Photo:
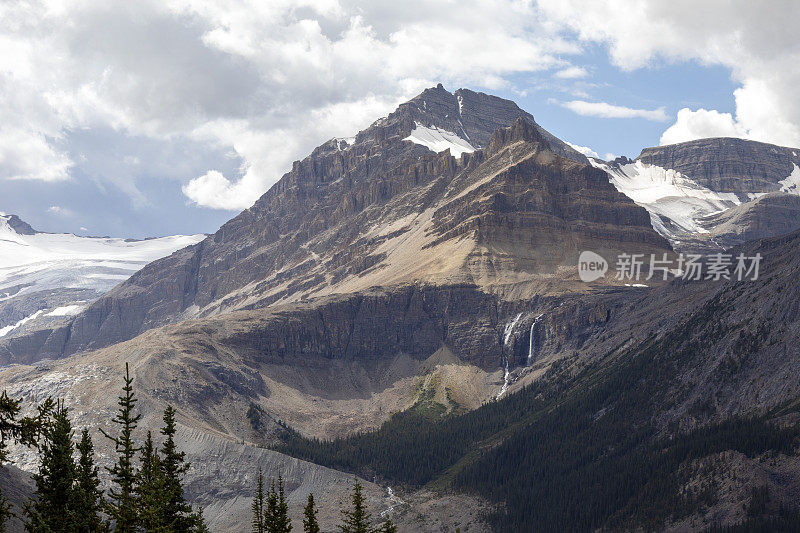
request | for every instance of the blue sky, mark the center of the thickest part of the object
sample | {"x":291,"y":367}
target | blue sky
{"x":162,"y":117}
{"x":668,"y":85}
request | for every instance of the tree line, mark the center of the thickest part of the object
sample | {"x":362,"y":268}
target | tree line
{"x":271,"y":512}
{"x":67,"y":497}
{"x":146,"y":491}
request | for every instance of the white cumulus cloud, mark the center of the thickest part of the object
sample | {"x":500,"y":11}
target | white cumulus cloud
{"x":267,"y":81}
{"x":585,"y":150}
{"x":700,"y":124}
{"x":571,"y":73}
{"x":755,"y":40}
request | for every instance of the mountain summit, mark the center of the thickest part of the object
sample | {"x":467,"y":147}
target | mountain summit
{"x":388,"y":207}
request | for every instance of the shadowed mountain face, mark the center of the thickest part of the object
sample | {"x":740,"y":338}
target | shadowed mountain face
{"x":384,"y":209}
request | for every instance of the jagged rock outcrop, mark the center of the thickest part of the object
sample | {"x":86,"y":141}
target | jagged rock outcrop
{"x":18,"y":225}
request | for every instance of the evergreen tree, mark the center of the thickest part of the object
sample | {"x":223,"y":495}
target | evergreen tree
{"x":150,"y":484}
{"x":271,"y":510}
{"x":122,"y":503}
{"x":178,"y":512}
{"x":281,"y":523}
{"x":310,"y":524}
{"x":51,"y":509}
{"x":25,"y":431}
{"x":387,"y":527}
{"x":356,"y":519}
{"x":199,"y":522}
{"x":258,"y":505}
{"x":88,"y":496}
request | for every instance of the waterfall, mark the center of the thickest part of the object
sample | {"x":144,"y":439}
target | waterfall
{"x":506,"y":375}
{"x":510,"y":329}
{"x":394,"y":502}
{"x":507,"y":337}
{"x":530,"y":340}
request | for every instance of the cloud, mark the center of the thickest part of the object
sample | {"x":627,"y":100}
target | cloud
{"x":571,"y":73}
{"x":588,"y":152}
{"x":267,"y":81}
{"x":606,"y":110}
{"x":256,"y":85}
{"x":752,"y":39}
{"x":60,"y":211}
{"x":214,"y":190}
{"x":700,"y":124}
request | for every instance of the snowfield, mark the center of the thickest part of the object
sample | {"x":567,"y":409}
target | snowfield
{"x":667,"y":194}
{"x":439,"y":140}
{"x":58,"y":260}
{"x":31,"y":265}
{"x":792,"y":182}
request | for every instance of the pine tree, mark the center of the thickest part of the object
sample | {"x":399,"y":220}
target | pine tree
{"x":150,"y":484}
{"x":88,"y":496}
{"x":25,"y":431}
{"x":121,"y":505}
{"x":356,"y":520}
{"x":51,"y":509}
{"x":282,"y":523}
{"x":258,"y":505}
{"x":310,"y":524}
{"x":199,"y":522}
{"x":271,"y":510}
{"x":178,"y":513}
{"x":387,"y":527}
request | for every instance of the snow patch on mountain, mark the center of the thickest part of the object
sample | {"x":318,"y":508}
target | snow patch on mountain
{"x":674,"y":201}
{"x":66,"y":310}
{"x":8,"y":329}
{"x":792,"y":182}
{"x":439,"y":140}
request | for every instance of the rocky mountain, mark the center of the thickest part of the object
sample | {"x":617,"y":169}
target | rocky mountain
{"x":389,"y":207}
{"x":47,"y":277}
{"x":411,"y":293}
{"x":727,"y":165}
{"x":691,"y":188}
{"x":679,"y":407}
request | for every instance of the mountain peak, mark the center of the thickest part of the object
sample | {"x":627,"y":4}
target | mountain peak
{"x":521,"y":130}
{"x":473,"y":116}
{"x":17,"y":225}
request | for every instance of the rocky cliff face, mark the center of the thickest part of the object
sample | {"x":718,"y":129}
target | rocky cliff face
{"x":703,"y":195}
{"x":769,"y":215}
{"x":383,"y":209}
{"x":726,"y":164}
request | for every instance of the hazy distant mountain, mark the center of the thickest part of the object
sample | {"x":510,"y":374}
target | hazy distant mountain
{"x":45,"y":277}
